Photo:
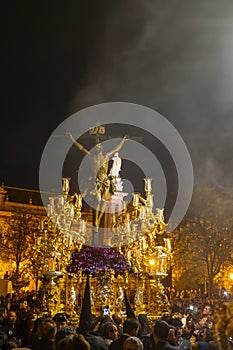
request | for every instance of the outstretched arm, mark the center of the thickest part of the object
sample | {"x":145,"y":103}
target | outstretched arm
{"x":77,"y":144}
{"x":118,"y":147}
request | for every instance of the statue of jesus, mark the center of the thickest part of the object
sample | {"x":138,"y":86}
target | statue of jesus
{"x":104,"y":187}
{"x":116,"y":166}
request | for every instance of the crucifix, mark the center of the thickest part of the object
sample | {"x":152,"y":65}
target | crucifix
{"x":104,"y":186}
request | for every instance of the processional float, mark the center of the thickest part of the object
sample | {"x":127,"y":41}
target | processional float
{"x":121,"y":246}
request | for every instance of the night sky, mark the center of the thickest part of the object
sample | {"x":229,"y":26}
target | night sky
{"x":175,"y":57}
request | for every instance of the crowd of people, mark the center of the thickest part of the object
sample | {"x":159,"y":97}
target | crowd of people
{"x":192,"y":322}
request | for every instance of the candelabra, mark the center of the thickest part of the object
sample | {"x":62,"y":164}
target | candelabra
{"x":138,"y":219}
{"x":59,"y":234}
{"x":139,"y":233}
{"x":62,"y":231}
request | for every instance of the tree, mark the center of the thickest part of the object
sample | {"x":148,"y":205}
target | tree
{"x":17,"y":239}
{"x":203,"y":243}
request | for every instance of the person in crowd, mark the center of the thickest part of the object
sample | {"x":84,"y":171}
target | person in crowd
{"x":131,"y":327}
{"x":184,"y":340}
{"x":109,"y":332}
{"x":172,"y":339}
{"x":206,"y":315}
{"x":24,"y":321}
{"x":103,"y":320}
{"x":65,"y":343}
{"x":62,"y":333}
{"x":46,"y":336}
{"x":117,"y":319}
{"x":36,"y":323}
{"x":61,"y":319}
{"x":207,"y":311}
{"x":160,"y":332}
{"x":206,"y":337}
{"x":80,"y":343}
{"x":8,"y":325}
{"x":73,"y":342}
{"x":96,"y":341}
{"x":133,"y":343}
{"x":8,"y":328}
{"x":184,"y":344}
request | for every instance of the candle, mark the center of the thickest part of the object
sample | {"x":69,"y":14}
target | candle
{"x":148,"y":187}
{"x":135,"y":199}
{"x":150,"y":202}
{"x":65,"y":185}
{"x":41,"y":225}
{"x":168,"y":244}
{"x":79,"y":201}
{"x":82,"y":226}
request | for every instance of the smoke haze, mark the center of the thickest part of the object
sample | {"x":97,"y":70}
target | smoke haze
{"x":173,"y":56}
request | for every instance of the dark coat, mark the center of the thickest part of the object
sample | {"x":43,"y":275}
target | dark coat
{"x":144,"y":326}
{"x":118,"y":344}
{"x":41,"y":344}
{"x":148,"y":342}
{"x":96,"y":342}
{"x":164,"y":346}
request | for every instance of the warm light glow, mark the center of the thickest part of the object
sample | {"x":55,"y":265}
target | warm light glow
{"x":152,"y":262}
{"x":231,"y":276}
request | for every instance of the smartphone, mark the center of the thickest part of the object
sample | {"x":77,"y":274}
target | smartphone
{"x":106,"y":310}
